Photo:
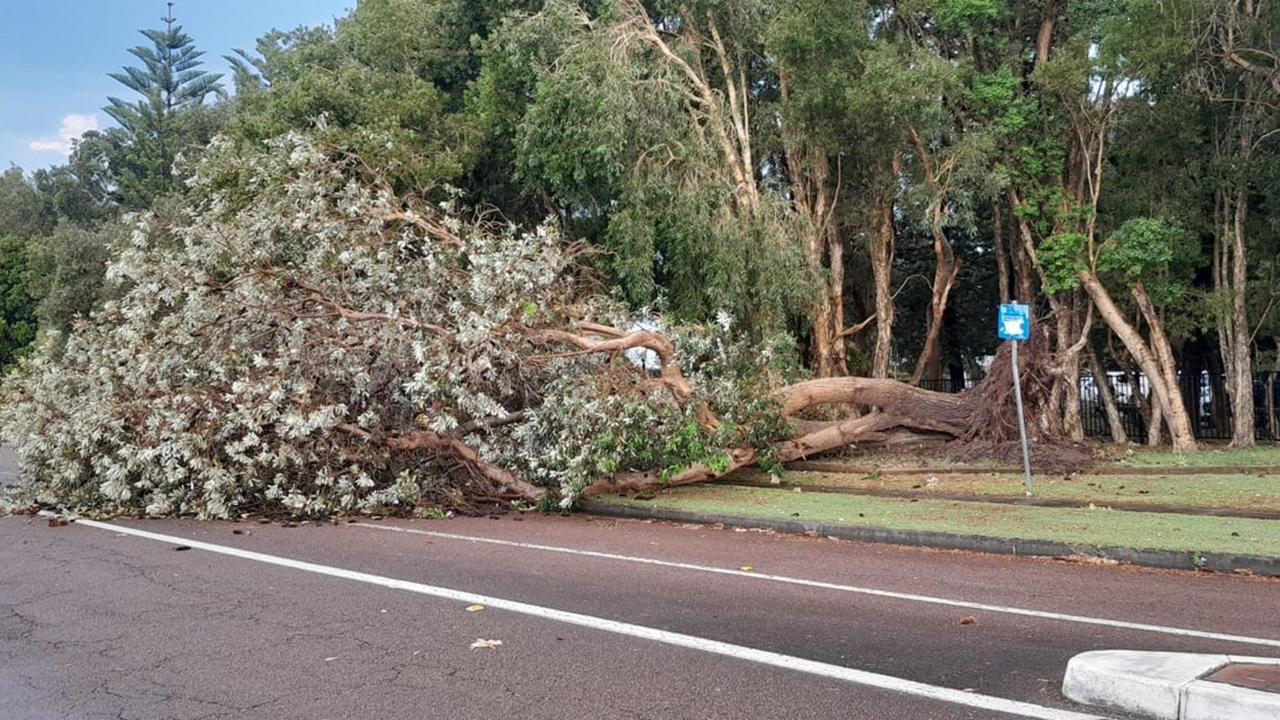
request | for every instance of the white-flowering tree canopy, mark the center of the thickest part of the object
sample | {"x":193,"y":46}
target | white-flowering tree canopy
{"x":298,"y":312}
{"x":304,"y":338}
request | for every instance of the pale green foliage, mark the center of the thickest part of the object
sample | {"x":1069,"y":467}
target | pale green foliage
{"x":266,"y":344}
{"x":613,"y":421}
{"x":215,"y":382}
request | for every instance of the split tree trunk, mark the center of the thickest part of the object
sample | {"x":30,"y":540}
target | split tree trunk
{"x":1156,"y":363}
{"x":881,"y":250}
{"x":1231,"y":276}
{"x":945,"y":268}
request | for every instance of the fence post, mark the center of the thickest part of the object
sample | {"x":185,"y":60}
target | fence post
{"x":1271,"y":406}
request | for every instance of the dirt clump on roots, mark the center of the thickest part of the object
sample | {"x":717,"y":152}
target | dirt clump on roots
{"x":1051,"y":457}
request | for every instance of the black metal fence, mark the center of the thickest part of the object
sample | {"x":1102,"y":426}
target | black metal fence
{"x":1205,"y":396}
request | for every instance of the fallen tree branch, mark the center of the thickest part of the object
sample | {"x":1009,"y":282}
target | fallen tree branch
{"x":432,"y":441}
{"x":859,"y":327}
{"x":670,"y":373}
{"x":923,"y":409}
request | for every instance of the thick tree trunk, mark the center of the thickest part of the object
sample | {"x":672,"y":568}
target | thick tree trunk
{"x":1163,"y":382}
{"x":835,"y":257}
{"x":827,"y":345}
{"x":985,"y":412}
{"x":1044,"y":37}
{"x":1176,"y":415}
{"x":945,"y":266}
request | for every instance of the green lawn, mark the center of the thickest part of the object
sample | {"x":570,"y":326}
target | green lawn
{"x":1208,"y":456}
{"x":1079,"y":526}
{"x":1240,"y":491}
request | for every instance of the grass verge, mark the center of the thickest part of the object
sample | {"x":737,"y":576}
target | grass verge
{"x":1076,"y":526}
{"x":1208,"y":456}
{"x":1251,"y":493}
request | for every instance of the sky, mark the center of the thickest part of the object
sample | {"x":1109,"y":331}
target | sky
{"x":55,"y":56}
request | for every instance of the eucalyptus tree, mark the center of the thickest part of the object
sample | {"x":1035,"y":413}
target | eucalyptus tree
{"x":653,"y":128}
{"x":1203,"y":65}
{"x":1237,"y":69}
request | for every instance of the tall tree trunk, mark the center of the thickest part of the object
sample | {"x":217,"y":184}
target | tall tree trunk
{"x":1240,"y":366}
{"x":1001,"y":253}
{"x":1072,"y":324}
{"x":837,"y":362}
{"x":1103,"y":383}
{"x":810,"y":174}
{"x":944,"y":277}
{"x":945,"y":268}
{"x":1163,"y":381}
{"x":882,"y":241}
{"x":1044,"y":37}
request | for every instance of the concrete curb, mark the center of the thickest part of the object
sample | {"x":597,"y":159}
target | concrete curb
{"x":843,"y":468}
{"x":1168,"y":559}
{"x":1166,"y":685}
{"x":1021,"y":500}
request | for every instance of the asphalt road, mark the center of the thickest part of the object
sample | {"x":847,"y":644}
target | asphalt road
{"x":96,"y":623}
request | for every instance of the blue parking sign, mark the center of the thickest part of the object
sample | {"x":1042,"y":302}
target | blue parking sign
{"x":1014,"y":322}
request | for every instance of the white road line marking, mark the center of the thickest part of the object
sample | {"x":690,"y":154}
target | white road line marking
{"x":763,"y":657}
{"x":1042,"y":614}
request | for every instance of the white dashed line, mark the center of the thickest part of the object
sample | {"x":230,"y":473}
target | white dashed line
{"x":1041,"y":614}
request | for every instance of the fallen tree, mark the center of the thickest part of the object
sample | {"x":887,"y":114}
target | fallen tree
{"x":305,"y":339}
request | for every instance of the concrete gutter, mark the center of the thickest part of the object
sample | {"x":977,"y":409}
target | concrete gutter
{"x":1169,"y":559}
{"x":1167,"y":685}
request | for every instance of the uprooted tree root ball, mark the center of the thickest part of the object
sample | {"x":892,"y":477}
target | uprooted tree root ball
{"x":308,"y":340}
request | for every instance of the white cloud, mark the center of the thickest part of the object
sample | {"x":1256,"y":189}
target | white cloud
{"x":73,"y":126}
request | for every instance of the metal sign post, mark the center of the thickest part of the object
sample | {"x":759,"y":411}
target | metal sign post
{"x":1014,"y":325}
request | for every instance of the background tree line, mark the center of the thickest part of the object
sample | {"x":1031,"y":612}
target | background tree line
{"x":867,"y":177}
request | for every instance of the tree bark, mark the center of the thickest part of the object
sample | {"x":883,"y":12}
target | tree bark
{"x":1167,"y":395}
{"x":1072,"y":333}
{"x":1044,"y":37}
{"x":944,"y":276}
{"x":837,"y":362}
{"x":1154,"y":426}
{"x":1103,"y":383}
{"x":945,"y":268}
{"x":1240,"y":364}
{"x":810,"y":173}
{"x":1002,"y":257}
{"x":881,"y":250}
